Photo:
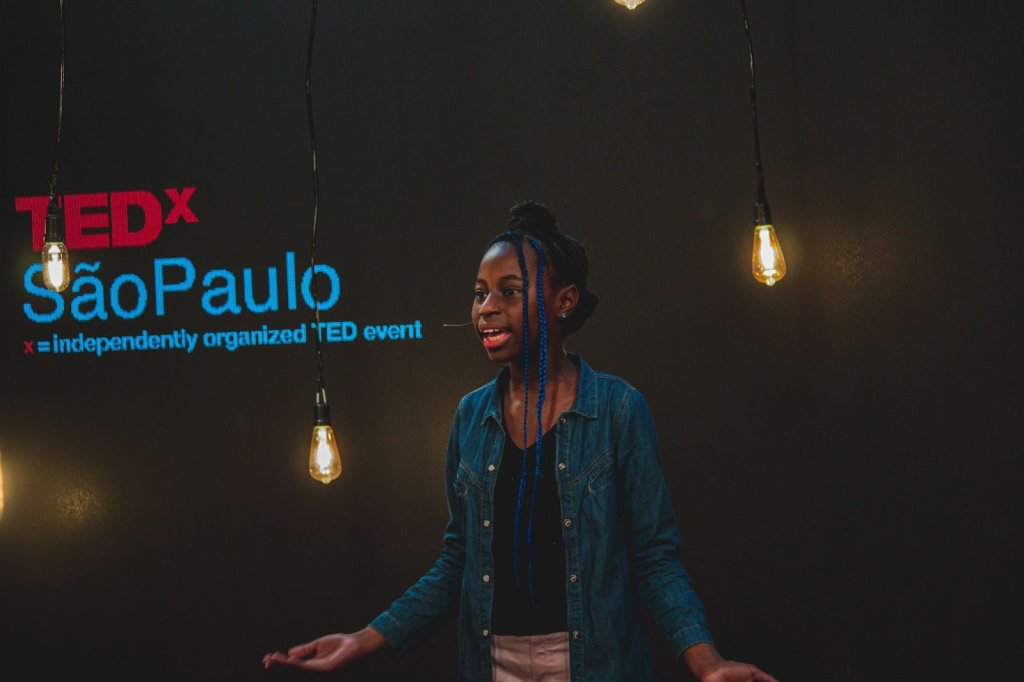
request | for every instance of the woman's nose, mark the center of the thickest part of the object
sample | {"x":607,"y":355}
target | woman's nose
{"x":489,"y":305}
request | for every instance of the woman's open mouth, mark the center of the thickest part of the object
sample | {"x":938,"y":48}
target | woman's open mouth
{"x":494,"y":337}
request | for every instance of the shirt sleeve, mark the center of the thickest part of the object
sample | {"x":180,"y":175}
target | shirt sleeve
{"x":653,"y":534}
{"x":433,"y":601}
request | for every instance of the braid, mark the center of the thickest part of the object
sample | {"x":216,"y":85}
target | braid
{"x":567,"y":259}
{"x":542,"y":386}
{"x":543,"y":373}
{"x":526,"y":399}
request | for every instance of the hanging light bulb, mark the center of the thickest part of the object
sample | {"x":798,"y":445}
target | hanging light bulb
{"x":56,"y":263}
{"x":767,"y":262}
{"x":324,"y":459}
{"x":630,"y":4}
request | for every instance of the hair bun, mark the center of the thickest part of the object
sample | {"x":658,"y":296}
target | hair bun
{"x":532,"y":216}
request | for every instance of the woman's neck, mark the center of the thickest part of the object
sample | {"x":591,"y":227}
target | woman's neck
{"x":560,"y":370}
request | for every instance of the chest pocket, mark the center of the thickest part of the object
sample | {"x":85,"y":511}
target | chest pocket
{"x":599,"y":474}
{"x":465,"y":480}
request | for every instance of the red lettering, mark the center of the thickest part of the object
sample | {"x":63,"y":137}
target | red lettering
{"x":76,"y":221}
{"x":119,"y":203}
{"x":37,"y":207}
{"x":180,"y":209}
{"x":82,"y":227}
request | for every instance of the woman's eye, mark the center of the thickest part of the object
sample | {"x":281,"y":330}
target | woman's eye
{"x":511,"y":292}
{"x":479,"y":295}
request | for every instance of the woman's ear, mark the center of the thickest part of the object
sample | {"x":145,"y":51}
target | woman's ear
{"x":568,"y":298}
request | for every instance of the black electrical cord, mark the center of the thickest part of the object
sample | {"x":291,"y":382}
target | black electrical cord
{"x":60,"y":111}
{"x":321,"y":384}
{"x":753,"y":108}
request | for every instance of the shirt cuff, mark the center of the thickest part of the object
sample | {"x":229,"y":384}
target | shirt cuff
{"x":683,"y":639}
{"x":393,"y":631}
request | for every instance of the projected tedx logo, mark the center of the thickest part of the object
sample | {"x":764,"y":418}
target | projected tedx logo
{"x":101,"y":229}
{"x":128,"y":295}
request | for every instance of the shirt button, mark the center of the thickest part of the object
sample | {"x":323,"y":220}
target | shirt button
{"x":572,"y":577}
{"x":562,"y":420}
{"x":490,"y":468}
{"x":486,"y":523}
{"x":487,"y":578}
{"x":568,"y":522}
{"x":561,"y":466}
{"x":486,"y":632}
{"x":575,"y":634}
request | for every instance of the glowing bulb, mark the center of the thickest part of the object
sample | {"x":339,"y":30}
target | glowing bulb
{"x":56,"y":264}
{"x":630,"y":4}
{"x":767,"y":262}
{"x":1,"y":489}
{"x":324,"y":459}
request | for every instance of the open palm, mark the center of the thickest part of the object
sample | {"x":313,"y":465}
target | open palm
{"x":323,"y":654}
{"x":732,"y":671}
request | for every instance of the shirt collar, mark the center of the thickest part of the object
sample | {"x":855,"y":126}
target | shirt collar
{"x":585,"y":404}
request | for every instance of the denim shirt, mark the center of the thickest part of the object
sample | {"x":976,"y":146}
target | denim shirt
{"x":621,"y":539}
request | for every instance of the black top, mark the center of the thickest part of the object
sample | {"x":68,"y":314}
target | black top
{"x":514,"y":612}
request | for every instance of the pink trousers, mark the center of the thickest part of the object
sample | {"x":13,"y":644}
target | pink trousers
{"x":535,"y":658}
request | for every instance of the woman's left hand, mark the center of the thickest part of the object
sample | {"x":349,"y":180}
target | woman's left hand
{"x":733,"y":671}
{"x":707,"y":665}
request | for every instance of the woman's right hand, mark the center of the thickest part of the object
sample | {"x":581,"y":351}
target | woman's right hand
{"x":329,"y":652}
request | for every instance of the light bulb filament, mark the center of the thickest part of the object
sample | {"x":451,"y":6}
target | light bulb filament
{"x":56,"y":266}
{"x":767,"y":264}
{"x":324,"y":458}
{"x":767,"y":253}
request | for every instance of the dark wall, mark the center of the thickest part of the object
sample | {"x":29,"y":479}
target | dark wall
{"x":843,"y":448}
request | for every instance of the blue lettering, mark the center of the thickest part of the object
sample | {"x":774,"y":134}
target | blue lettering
{"x":271,"y":302}
{"x":307,"y":281}
{"x":115,"y":298}
{"x":93,"y":299}
{"x":228,"y":291}
{"x":35,"y":290}
{"x":96,"y":298}
{"x":289,"y":271}
{"x":159,"y":287}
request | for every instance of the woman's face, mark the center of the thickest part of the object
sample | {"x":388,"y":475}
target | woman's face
{"x":498,"y":302}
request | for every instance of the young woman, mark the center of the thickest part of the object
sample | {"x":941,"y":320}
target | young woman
{"x":560,"y":523}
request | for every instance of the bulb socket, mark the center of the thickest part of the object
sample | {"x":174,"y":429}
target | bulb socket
{"x":54,"y":223}
{"x":321,"y":414}
{"x":762,"y":214}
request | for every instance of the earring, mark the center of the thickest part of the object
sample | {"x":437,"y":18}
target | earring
{"x":565,"y":316}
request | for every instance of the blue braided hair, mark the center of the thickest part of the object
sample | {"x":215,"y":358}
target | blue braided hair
{"x":542,"y":384}
{"x":526,"y":403}
{"x":533,"y":222}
